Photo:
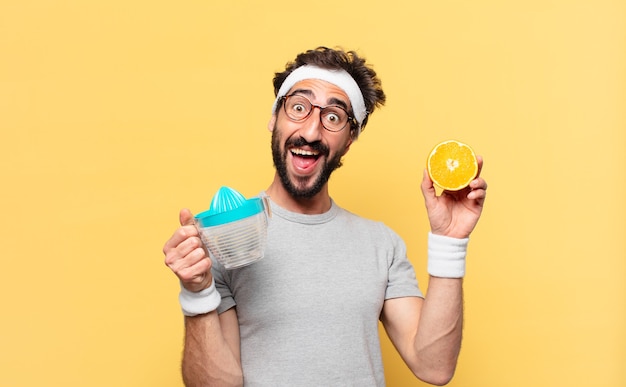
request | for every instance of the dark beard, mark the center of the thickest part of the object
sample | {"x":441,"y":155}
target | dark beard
{"x":299,"y":188}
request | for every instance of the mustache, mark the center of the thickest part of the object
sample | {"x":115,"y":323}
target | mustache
{"x":301,"y":142}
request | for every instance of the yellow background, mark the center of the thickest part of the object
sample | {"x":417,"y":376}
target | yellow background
{"x":115,"y":114}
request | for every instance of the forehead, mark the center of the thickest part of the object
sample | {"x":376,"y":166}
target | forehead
{"x":321,"y":92}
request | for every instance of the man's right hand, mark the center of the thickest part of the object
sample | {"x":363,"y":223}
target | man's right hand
{"x":186,"y":256}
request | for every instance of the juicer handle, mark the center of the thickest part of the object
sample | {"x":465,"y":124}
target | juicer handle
{"x":266,"y":205}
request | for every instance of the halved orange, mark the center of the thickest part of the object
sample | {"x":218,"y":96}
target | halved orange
{"x":452,"y":165}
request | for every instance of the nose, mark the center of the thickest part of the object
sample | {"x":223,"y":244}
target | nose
{"x":311,"y":129}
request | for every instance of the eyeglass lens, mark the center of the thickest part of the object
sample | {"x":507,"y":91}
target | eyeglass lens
{"x":298,"y":108}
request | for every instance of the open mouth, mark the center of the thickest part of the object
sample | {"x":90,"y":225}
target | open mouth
{"x":304,"y":158}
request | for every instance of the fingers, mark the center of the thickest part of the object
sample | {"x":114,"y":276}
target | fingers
{"x":183,"y":250}
{"x":479,"y":189}
{"x":182,"y":234}
{"x":194,"y":276}
{"x":478,"y":185}
{"x":181,"y":245}
{"x":188,"y":260}
{"x":186,"y":256}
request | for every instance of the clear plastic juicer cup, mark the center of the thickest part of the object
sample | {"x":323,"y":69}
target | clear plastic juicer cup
{"x":233,"y":229}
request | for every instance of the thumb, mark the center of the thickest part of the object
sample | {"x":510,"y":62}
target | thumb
{"x":186,"y":217}
{"x":428,"y":189}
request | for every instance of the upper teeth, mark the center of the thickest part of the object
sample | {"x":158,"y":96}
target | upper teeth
{"x":303,"y":152}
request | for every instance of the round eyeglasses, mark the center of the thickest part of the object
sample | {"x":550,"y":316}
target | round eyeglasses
{"x":333,"y":118}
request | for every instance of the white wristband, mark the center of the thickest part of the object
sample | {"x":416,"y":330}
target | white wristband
{"x":446,"y":256}
{"x":195,"y":303}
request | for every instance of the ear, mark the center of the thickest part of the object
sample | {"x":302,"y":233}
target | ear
{"x":347,"y":148}
{"x":270,"y":125}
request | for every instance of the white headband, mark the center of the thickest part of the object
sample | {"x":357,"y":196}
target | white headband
{"x":339,"y":78}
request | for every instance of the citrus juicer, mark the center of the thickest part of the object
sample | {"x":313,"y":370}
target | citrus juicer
{"x":233,"y":229}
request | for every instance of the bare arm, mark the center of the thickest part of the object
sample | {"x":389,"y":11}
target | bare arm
{"x":427,"y":332}
{"x":212,"y":354}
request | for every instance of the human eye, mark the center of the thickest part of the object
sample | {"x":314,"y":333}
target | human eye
{"x":298,"y":107}
{"x":334,"y":116}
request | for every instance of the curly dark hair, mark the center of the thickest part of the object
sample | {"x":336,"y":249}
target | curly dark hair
{"x":349,"y":61}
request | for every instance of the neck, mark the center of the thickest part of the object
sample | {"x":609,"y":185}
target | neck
{"x":317,"y":204}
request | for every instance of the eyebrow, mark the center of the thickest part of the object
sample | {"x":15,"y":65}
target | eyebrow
{"x":331,"y":101}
